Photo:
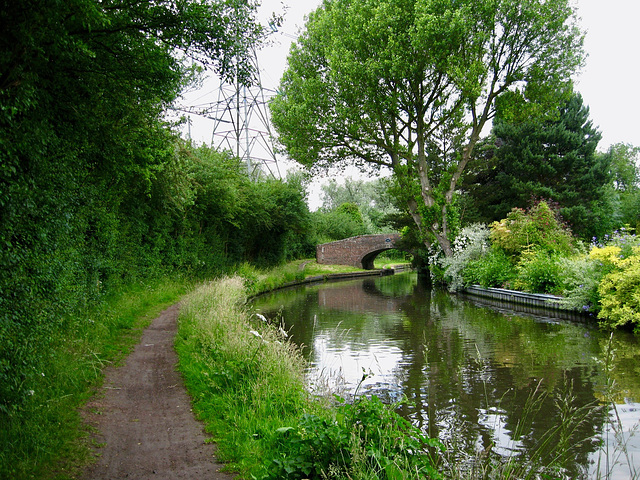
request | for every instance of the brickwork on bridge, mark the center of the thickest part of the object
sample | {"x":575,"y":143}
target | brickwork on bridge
{"x":357,"y":251}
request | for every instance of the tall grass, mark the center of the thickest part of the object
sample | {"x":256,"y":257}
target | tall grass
{"x":614,"y":455}
{"x":246,"y":380}
{"x":44,"y":439}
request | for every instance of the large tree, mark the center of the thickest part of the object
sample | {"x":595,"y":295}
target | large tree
{"x":410,"y":85}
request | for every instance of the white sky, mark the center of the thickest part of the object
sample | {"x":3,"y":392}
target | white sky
{"x":608,"y":83}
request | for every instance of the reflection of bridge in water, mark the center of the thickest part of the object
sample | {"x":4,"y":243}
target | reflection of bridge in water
{"x":359,"y":297}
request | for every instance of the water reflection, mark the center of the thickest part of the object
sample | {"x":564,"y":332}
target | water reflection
{"x":479,"y":379}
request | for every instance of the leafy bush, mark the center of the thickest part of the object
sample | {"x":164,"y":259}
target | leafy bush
{"x":342,"y":222}
{"x":538,"y":227}
{"x":495,"y":269}
{"x":581,"y":276}
{"x":365,"y":439}
{"x":539,"y":272}
{"x":619,"y":289}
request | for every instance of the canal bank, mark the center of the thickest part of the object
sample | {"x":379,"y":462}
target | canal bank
{"x":248,"y":384}
{"x":538,"y":304}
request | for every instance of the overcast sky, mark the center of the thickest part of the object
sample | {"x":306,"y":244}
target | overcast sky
{"x":608,"y":83}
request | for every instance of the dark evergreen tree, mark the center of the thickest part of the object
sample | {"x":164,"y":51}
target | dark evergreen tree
{"x":553,"y":159}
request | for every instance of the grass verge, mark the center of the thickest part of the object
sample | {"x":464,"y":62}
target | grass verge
{"x":248,"y":386}
{"x":47,"y":439}
{"x":245,"y":379}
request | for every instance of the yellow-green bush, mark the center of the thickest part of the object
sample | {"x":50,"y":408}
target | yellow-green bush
{"x":620,"y":288}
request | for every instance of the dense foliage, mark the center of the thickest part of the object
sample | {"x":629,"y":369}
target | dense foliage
{"x":200,"y":215}
{"x":618,"y":266}
{"x":97,"y":193}
{"x":532,"y":251}
{"x":372,"y":197}
{"x":521,"y":251}
{"x":539,"y":228}
{"x":366,"y":439}
{"x":344,"y":221}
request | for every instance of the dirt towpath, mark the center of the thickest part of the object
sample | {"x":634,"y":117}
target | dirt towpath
{"x":143,"y":416}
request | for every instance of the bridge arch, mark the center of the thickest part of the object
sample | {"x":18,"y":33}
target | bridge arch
{"x":359,"y":252}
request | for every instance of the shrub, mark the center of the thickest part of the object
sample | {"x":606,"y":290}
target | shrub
{"x":619,"y":288}
{"x":342,"y":222}
{"x":539,"y":272}
{"x":495,"y":269}
{"x":581,"y":276}
{"x":469,"y":245}
{"x":364,"y":439}
{"x":538,"y":227}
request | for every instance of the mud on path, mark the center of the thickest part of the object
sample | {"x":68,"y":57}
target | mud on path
{"x":143,"y":416}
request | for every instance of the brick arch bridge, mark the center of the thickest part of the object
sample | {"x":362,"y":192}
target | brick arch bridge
{"x":359,"y":252}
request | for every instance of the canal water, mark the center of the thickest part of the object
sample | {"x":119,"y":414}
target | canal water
{"x":489,"y":382}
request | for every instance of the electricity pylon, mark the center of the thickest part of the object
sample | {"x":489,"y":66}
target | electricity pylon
{"x":241,"y":123}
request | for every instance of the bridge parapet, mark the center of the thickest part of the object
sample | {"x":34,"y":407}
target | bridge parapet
{"x":357,"y":251}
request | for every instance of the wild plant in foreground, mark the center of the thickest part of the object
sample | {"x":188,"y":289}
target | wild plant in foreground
{"x":614,"y":455}
{"x":362,"y":439}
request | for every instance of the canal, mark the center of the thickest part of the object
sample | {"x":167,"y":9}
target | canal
{"x":490,"y":383}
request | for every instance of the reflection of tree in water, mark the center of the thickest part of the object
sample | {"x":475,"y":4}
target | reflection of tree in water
{"x":472,"y":373}
{"x":466,"y":371}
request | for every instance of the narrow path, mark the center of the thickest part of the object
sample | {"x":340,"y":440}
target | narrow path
{"x":143,"y":416}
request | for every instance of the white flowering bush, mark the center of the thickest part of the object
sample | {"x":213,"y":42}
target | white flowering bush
{"x":471,"y":244}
